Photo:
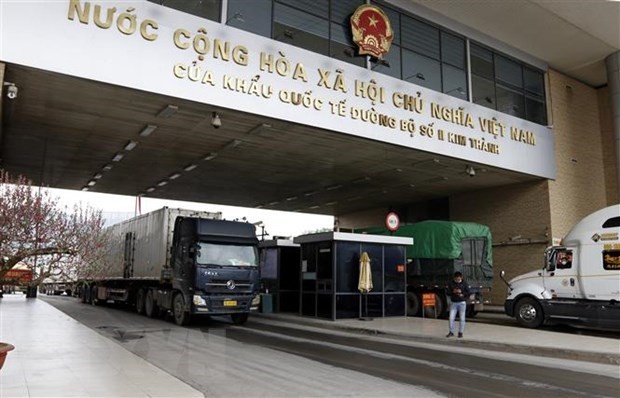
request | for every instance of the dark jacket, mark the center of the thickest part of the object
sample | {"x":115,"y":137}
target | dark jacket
{"x":454,"y":293}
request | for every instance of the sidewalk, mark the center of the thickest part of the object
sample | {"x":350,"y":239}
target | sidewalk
{"x":56,"y":356}
{"x":477,"y":335}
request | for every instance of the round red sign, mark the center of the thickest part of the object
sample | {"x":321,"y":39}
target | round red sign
{"x":391,"y":221}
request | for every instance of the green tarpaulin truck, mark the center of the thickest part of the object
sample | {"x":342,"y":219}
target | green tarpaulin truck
{"x":439,"y":249}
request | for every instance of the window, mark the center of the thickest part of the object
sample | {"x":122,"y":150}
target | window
{"x":504,"y":84}
{"x":209,"y":9}
{"x":252,"y":16}
{"x":613,"y":222}
{"x":564,"y":259}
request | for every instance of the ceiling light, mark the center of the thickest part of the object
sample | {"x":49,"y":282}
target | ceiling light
{"x":148,"y":130}
{"x":310,"y":193}
{"x":98,"y":176}
{"x":291,"y":198}
{"x":131,"y":145}
{"x":11,"y":91}
{"x":174,"y":176}
{"x":274,"y":203}
{"x":232,"y":144}
{"x":107,"y":167}
{"x":168,"y":111}
{"x":360,"y":180}
{"x":210,"y":156}
{"x":190,"y":167}
{"x":258,"y":128}
{"x":85,"y":189}
{"x":259,"y":206}
{"x":118,"y":157}
{"x":150,"y":189}
{"x":332,"y":187}
{"x":162,"y":183}
{"x":470,"y":171}
{"x":330,"y":203}
{"x":216,"y":120}
{"x":314,"y":207}
{"x":91,"y":183}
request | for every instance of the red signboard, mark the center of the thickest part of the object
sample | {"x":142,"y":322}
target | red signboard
{"x":18,"y":275}
{"x":428,"y":299}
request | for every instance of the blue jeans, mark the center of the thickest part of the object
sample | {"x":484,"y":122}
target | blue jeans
{"x":460,"y":307}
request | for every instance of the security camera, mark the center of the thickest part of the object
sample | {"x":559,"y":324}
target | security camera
{"x":470,"y":171}
{"x":216,"y":121}
{"x":11,"y":91}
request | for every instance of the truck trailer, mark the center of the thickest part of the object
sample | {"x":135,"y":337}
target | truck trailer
{"x":579,"y":282}
{"x":179,"y":262}
{"x":439,"y":249}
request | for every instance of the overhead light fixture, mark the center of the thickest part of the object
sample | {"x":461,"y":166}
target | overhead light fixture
{"x":216,"y":120}
{"x":470,"y":171}
{"x":274,"y":203}
{"x":168,"y":111}
{"x":131,"y":145}
{"x":174,"y":176}
{"x":118,"y":157}
{"x":150,"y":189}
{"x":256,"y":129}
{"x":333,"y":187}
{"x":107,"y":167}
{"x":310,"y":193}
{"x":360,"y":180}
{"x":291,"y":198}
{"x":162,"y":183}
{"x":259,"y":206}
{"x":232,"y":144}
{"x":11,"y":91}
{"x":98,"y":176}
{"x":210,"y":156}
{"x":85,"y":189}
{"x":314,"y":207}
{"x":148,"y":130}
{"x":190,"y":167}
{"x":91,"y":183}
{"x":330,"y":203}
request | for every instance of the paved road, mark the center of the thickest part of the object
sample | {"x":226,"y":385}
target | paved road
{"x":263,"y":358}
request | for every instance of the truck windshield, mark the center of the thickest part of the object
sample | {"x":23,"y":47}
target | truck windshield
{"x":227,"y":255}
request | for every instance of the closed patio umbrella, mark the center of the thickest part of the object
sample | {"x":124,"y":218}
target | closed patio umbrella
{"x":365,"y":281}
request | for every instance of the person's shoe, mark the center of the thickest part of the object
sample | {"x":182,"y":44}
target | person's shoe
{"x":460,"y":334}
{"x":450,"y":334}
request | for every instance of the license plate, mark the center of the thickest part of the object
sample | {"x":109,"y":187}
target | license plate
{"x":230,"y":303}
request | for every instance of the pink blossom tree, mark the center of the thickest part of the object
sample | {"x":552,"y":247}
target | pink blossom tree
{"x":53,"y":242}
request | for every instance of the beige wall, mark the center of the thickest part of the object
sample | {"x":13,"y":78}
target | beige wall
{"x":611,"y":163}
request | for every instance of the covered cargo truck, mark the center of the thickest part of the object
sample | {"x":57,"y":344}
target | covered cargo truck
{"x":439,"y":249}
{"x":182,"y":262}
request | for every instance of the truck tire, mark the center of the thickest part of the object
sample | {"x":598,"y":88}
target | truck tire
{"x":471,"y":312}
{"x":150,"y":308}
{"x":413,"y":304}
{"x":181,"y":317}
{"x":93,"y":296}
{"x":239,"y":319}
{"x":140,"y":301}
{"x":528,"y":313}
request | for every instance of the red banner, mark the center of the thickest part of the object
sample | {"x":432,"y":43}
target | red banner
{"x":19,"y":275}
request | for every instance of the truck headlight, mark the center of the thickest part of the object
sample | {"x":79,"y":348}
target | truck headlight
{"x":256,"y":300}
{"x":198,"y":300}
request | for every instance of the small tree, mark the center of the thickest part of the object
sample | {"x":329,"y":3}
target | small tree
{"x":34,"y":230}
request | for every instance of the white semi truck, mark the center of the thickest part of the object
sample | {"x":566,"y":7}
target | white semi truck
{"x":579,"y":283}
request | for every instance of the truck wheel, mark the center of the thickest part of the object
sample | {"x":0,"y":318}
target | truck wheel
{"x":471,"y":312}
{"x":150,"y":308}
{"x":413,"y":304}
{"x":93,"y":296}
{"x":140,"y":301}
{"x":239,"y":319}
{"x":181,"y":317}
{"x":439,"y":309}
{"x":529,"y":313}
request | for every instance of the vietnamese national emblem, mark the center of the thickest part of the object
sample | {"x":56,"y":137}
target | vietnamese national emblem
{"x":372,"y":31}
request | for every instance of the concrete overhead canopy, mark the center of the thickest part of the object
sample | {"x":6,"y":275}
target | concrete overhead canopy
{"x":112,"y":112}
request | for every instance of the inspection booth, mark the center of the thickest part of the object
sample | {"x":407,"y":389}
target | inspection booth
{"x":280,"y":274}
{"x":330,"y":270}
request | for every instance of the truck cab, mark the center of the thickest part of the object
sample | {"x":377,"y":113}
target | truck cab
{"x":579,"y":282}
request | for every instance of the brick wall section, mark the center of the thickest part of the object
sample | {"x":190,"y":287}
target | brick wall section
{"x":518,"y":216}
{"x":579,"y":188}
{"x":611,"y":163}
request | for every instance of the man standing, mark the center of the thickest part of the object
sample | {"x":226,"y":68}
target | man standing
{"x":458,"y":290}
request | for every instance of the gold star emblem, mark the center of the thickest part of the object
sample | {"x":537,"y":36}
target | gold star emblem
{"x":372,"y":21}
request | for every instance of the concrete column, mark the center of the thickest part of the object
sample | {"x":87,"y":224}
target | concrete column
{"x":613,"y":82}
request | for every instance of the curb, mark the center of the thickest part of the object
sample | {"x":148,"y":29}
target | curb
{"x":552,"y":352}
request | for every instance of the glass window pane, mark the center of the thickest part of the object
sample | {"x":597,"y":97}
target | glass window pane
{"x":300,"y":29}
{"x":347,"y":259}
{"x":483,"y":92}
{"x":535,"y":111}
{"x":454,"y":82}
{"x":508,"y":71}
{"x":510,"y":101}
{"x":420,"y":37}
{"x":394,"y":17}
{"x":453,"y":50}
{"x":342,"y":46}
{"x":315,"y":7}
{"x":209,"y":9}
{"x":534,"y":82}
{"x":269,"y":264}
{"x":421,"y":70}
{"x":341,"y":10}
{"x":392,"y":68}
{"x":394,"y":268}
{"x":481,"y":62}
{"x":251,"y":16}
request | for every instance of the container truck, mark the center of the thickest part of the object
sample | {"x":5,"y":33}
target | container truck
{"x":180,"y":262}
{"x":579,"y":283}
{"x":439,"y":249}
